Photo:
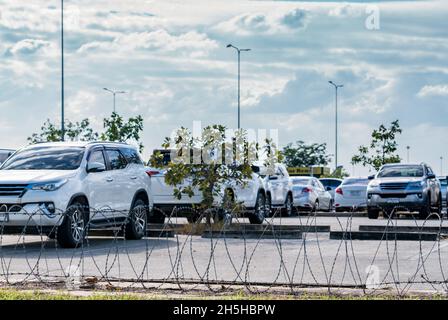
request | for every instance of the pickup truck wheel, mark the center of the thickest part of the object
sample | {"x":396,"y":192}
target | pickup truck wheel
{"x":257,"y":217}
{"x":72,"y":231}
{"x":439,"y":205}
{"x":373,"y":213}
{"x":135,"y":227}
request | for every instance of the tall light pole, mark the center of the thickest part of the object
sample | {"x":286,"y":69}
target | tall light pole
{"x":336,"y":87}
{"x":114,"y":93}
{"x":441,"y":165}
{"x":407,"y":148}
{"x":239,"y":79}
{"x":62,"y":73}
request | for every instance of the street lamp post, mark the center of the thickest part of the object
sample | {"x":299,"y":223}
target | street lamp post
{"x":62,"y":73}
{"x":114,"y":93}
{"x":239,"y":78}
{"x":336,"y":87}
{"x":441,"y":165}
{"x":407,"y":149}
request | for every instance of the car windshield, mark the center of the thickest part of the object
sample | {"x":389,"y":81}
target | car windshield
{"x":300,"y":181}
{"x":360,"y":181}
{"x":4,"y":156}
{"x":443,"y":182}
{"x":46,"y":158}
{"x":401,"y":171}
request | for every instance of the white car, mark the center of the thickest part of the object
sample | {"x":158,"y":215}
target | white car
{"x":310,"y":194}
{"x":164,"y":198}
{"x":351,"y":194}
{"x":330,"y":184}
{"x":63,"y":188}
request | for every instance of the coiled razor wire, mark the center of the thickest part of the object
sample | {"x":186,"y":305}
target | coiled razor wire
{"x":179,"y":254}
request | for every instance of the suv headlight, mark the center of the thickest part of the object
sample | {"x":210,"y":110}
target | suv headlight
{"x":49,"y":186}
{"x":373,"y":185}
{"x":416,"y":185}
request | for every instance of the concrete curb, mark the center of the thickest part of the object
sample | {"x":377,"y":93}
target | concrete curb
{"x":386,"y":236}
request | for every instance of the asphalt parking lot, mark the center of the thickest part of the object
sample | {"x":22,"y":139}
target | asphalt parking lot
{"x":313,"y":260}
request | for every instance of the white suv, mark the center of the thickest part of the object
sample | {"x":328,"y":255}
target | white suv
{"x":262,"y":193}
{"x":63,"y":188}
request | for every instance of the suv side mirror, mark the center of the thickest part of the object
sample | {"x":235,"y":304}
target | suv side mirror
{"x":371,"y":177}
{"x":431,"y":176}
{"x":95,"y":167}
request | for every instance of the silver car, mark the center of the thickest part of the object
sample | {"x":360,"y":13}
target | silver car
{"x":412,"y":187}
{"x":310,"y":195}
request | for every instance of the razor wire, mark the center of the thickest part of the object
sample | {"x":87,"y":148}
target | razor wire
{"x":219,"y":251}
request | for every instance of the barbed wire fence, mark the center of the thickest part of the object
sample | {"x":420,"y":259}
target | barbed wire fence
{"x":287,"y":254}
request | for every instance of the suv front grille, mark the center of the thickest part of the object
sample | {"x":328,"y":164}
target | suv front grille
{"x":12,"y":190}
{"x":393,"y":186}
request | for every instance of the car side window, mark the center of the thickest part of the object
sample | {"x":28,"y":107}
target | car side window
{"x":131,"y":156}
{"x":117,"y":160}
{"x":429,"y":170}
{"x":97,"y":156}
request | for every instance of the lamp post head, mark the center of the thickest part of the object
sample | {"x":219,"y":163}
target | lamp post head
{"x":229,"y":46}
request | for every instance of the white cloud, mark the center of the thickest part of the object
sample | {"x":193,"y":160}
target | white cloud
{"x":265,"y":23}
{"x":32,"y":46}
{"x":431,"y":91}
{"x":346,"y":10}
{"x":191,"y":43}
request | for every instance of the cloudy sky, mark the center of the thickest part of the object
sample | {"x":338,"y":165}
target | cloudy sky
{"x":171,"y":58}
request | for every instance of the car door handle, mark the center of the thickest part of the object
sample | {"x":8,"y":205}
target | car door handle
{"x":134,"y":177}
{"x":109,"y":179}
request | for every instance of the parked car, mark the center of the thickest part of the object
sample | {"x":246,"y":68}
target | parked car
{"x":252,"y":196}
{"x":443,"y":185}
{"x":278,"y":189}
{"x":351,"y":194}
{"x":331,"y":184}
{"x":310,"y":194}
{"x":62,"y":188}
{"x":413,"y":187}
{"x":164,"y":199}
{"x":4,"y":154}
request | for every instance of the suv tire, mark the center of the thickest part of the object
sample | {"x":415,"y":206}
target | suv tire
{"x":289,"y":206}
{"x":135,"y":227}
{"x":257,"y":217}
{"x":425,"y":211}
{"x":373,"y":213}
{"x":73,"y":230}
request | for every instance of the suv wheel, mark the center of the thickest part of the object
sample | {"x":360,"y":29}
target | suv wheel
{"x":425,"y":211}
{"x":268,"y":206}
{"x":373,"y":213}
{"x":72,"y":231}
{"x":289,"y":206}
{"x":135,"y":227}
{"x":257,"y":217}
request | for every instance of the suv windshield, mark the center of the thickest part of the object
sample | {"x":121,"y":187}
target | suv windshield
{"x":46,"y":158}
{"x":401,"y":171}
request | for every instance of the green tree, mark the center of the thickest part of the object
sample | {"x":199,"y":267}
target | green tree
{"x":305,"y":155}
{"x":210,"y":161}
{"x":382,"y":149}
{"x":116,"y":129}
{"x":75,"y":131}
